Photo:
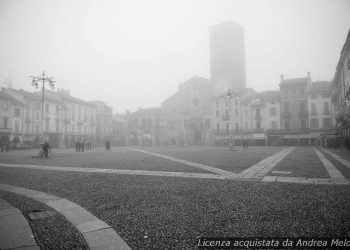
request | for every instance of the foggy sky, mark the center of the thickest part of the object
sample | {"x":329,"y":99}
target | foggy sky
{"x":134,"y":54}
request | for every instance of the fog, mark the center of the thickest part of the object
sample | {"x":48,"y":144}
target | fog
{"x":134,"y":54}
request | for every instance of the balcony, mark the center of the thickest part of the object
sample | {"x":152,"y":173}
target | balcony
{"x":286,"y":115}
{"x":303,"y":114}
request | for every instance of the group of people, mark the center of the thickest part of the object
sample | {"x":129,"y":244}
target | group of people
{"x":245,"y":143}
{"x":81,"y":145}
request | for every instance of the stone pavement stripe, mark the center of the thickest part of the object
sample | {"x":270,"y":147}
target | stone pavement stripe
{"x":122,"y":171}
{"x":105,"y":239}
{"x":346,"y":163}
{"x":9,"y":211}
{"x":15,"y":231}
{"x":28,"y":248}
{"x":189,"y":163}
{"x":261,"y":168}
{"x":269,"y":178}
{"x":248,"y":177}
{"x":93,"y":229}
{"x":92,"y":226}
{"x":332,"y":171}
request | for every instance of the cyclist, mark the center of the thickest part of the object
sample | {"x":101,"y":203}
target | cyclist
{"x":46,"y":147}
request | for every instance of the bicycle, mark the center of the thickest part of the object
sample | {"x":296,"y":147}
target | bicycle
{"x":50,"y":154}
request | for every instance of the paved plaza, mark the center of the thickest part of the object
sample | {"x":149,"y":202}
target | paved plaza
{"x":157,"y":197}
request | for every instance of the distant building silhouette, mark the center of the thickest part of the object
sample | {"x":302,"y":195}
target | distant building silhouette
{"x":227,"y":57}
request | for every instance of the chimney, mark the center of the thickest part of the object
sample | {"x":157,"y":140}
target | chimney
{"x":282,"y":77}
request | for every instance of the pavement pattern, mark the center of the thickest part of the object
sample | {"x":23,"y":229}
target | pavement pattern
{"x":15,"y":231}
{"x":98,"y":234}
{"x":257,"y":172}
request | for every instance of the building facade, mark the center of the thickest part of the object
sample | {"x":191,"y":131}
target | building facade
{"x":321,"y":113}
{"x":11,"y":119}
{"x":146,"y":127}
{"x":341,"y":93}
{"x":187,"y":110}
{"x":247,"y":115}
{"x":65,"y":120}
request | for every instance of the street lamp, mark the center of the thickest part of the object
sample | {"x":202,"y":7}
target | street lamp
{"x":42,"y":79}
{"x":184,"y":127}
{"x":230,"y":94}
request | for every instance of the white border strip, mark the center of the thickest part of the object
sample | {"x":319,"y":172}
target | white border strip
{"x":98,"y":234}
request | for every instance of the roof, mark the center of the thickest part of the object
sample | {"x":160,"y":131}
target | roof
{"x":27,"y":94}
{"x":195,"y":79}
{"x":319,"y":87}
{"x":49,"y":95}
{"x":70,"y":98}
{"x":231,"y":23}
{"x":301,"y":80}
{"x":146,"y":112}
{"x":5,"y":96}
{"x":268,"y":95}
{"x":346,"y":47}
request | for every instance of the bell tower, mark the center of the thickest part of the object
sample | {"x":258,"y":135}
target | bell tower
{"x":227,"y":57}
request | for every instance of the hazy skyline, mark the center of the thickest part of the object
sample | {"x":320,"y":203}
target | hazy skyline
{"x":134,"y":54}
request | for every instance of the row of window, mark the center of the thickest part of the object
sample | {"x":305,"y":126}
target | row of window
{"x":226,"y":104}
{"x":302,"y":107}
{"x":144,"y":123}
{"x":257,"y":112}
{"x":294,"y":92}
{"x":273,"y":125}
{"x":314,"y":124}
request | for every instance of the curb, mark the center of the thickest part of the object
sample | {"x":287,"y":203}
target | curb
{"x":98,"y":234}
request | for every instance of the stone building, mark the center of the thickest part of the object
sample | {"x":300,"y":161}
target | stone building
{"x":78,"y":119}
{"x":294,"y":111}
{"x":187,"y":110}
{"x":321,"y":112}
{"x":103,"y":121}
{"x":11,"y":118}
{"x":118,"y":130}
{"x":247,"y":115}
{"x":66,"y":119}
{"x":146,"y":127}
{"x":341,"y":92}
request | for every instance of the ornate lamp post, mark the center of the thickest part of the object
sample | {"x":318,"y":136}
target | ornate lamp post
{"x":230,"y":94}
{"x":42,"y":79}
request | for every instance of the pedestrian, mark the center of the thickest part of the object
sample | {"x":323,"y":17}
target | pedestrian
{"x":76,"y":146}
{"x":82,"y":145}
{"x":46,"y":147}
{"x":108,"y":145}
